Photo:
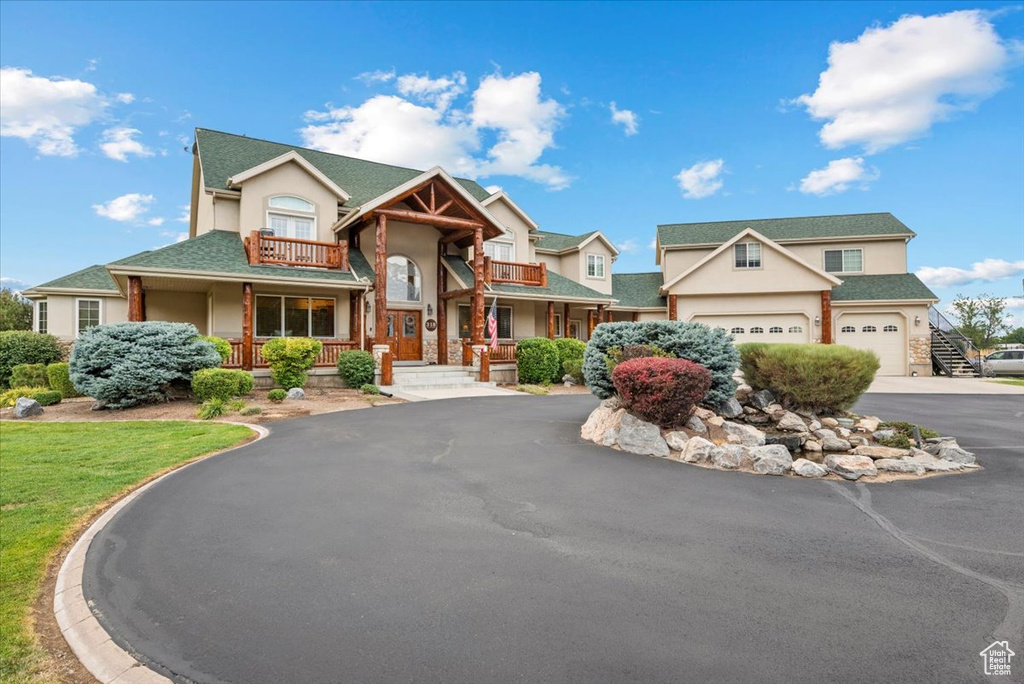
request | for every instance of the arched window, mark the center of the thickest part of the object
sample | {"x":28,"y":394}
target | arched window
{"x":795,"y":329}
{"x":775,"y":329}
{"x":848,"y":329}
{"x":737,"y":331}
{"x":890,"y":328}
{"x":756,"y":330}
{"x":403,"y":280}
{"x":501,"y":248}
{"x":869,"y":328}
{"x":291,"y":217}
{"x":289,"y":203}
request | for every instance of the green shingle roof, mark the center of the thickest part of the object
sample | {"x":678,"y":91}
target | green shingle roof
{"x":556,"y":242}
{"x":94,"y":277}
{"x":796,"y":228}
{"x":558,"y":286}
{"x":638,"y":290}
{"x":872,"y":287}
{"x":224,"y":155}
{"x":222,"y":252}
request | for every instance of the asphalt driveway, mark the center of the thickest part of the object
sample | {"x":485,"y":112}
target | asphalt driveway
{"x":480,"y":540}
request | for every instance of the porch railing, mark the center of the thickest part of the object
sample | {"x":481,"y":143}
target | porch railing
{"x":505,"y":353}
{"x":327,"y":358}
{"x":517,"y":273}
{"x":282,"y":251}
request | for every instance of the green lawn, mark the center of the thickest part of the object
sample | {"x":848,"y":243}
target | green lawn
{"x":52,"y":476}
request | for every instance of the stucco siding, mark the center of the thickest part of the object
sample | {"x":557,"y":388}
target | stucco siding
{"x":602,"y":285}
{"x":778,"y":273}
{"x":62,"y":313}
{"x":287,"y":179}
{"x":516,"y":226}
{"x":880,"y":256}
{"x":178,"y":307}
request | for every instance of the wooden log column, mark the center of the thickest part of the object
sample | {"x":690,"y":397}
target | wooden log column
{"x":380,"y":283}
{"x":590,"y":324}
{"x":247,"y":311}
{"x":600,"y":314}
{"x":673,"y":308}
{"x":485,"y":364}
{"x":826,"y":316}
{"x":551,"y":320}
{"x":478,"y":286}
{"x":442,"y":306}
{"x":136,"y":310}
{"x":565,"y":320}
{"x":355,"y":318}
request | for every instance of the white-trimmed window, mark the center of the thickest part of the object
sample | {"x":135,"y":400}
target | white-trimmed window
{"x":504,"y":322}
{"x":41,"y":312}
{"x":890,"y":328}
{"x":844,"y":260}
{"x":796,"y":329}
{"x":848,"y":329}
{"x":775,"y":329}
{"x":576,"y":328}
{"x":595,"y":266}
{"x":757,"y":330}
{"x":282,"y":316}
{"x":501,"y":249}
{"x":404,"y":281}
{"x":737,"y":331}
{"x":291,"y":217}
{"x":747,"y":255}
{"x":869,"y":328}
{"x":88,"y":313}
{"x":558,"y":325}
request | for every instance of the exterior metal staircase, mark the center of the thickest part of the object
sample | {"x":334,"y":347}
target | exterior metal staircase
{"x":953,"y":354}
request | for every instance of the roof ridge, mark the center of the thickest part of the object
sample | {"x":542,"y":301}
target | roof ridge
{"x":637,"y":273}
{"x":780,"y":218}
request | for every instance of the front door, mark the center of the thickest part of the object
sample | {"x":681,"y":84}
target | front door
{"x":405,"y":334}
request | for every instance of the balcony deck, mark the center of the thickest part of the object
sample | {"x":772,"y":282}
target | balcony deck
{"x":264,"y":249}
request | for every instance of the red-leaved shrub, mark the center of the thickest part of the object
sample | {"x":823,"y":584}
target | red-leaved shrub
{"x":659,"y":390}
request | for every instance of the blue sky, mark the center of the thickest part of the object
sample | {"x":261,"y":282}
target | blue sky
{"x":721,"y":111}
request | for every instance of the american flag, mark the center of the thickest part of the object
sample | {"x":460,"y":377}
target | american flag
{"x":492,"y":323}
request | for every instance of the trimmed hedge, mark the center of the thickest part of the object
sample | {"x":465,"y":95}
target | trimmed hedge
{"x":289,"y":359}
{"x":45,"y":397}
{"x":59,"y":375}
{"x":711,"y":348}
{"x":356,"y":367}
{"x":277,"y":395}
{"x":537,"y":360}
{"x":819,"y":377}
{"x":222,"y":346}
{"x":220,"y":383}
{"x":661,"y":390}
{"x":24,"y":346}
{"x":568,"y":349}
{"x":125,"y":364}
{"x":29,"y":375}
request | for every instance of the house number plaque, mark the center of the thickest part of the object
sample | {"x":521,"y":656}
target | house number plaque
{"x":431,"y":325}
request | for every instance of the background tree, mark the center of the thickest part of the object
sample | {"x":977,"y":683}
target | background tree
{"x":982,"y":319}
{"x":15,"y":311}
{"x":1015,"y":336}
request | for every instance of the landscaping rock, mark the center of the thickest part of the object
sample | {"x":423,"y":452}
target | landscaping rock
{"x":296,"y":393}
{"x":601,"y":420}
{"x":696,"y":424}
{"x":640,"y":437}
{"x":791,"y":442}
{"x":822,"y":433}
{"x":761,"y":399}
{"x":805,"y":468}
{"x":730,"y":408}
{"x":899,"y":465}
{"x":730,"y":456}
{"x":844,"y":433}
{"x":612,"y":403}
{"x":568,"y":380}
{"x":835,"y":444}
{"x":773,"y":459}
{"x":743,"y":391}
{"x":829,"y":422}
{"x":676,"y":440}
{"x":850,"y":466}
{"x":881,"y":452}
{"x":791,"y":422}
{"x":953,"y":452}
{"x":748,"y":436}
{"x":716,"y":421}
{"x":931,"y":463}
{"x":807,"y":413}
{"x":857,"y":440}
{"x":759,"y":419}
{"x":883,"y":434}
{"x":26,"y":408}
{"x":773,"y":408}
{"x":100,"y":405}
{"x":814,"y":425}
{"x":698,"y":450}
{"x":869,"y":423}
{"x":845,"y":422}
{"x":813,"y":446}
{"x":703,"y":413}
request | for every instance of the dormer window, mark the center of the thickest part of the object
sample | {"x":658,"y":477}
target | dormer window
{"x":595,"y":266}
{"x":844,"y":260}
{"x":291,"y":217}
{"x":747,"y":255}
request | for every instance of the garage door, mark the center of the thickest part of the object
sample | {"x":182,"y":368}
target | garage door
{"x":761,"y":327}
{"x":883,"y":333}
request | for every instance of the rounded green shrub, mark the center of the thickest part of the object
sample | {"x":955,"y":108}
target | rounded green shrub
{"x":711,"y":348}
{"x":820,"y":377}
{"x":369,"y":388}
{"x":45,"y":397}
{"x":277,"y":395}
{"x":661,"y":390}
{"x":537,"y":360}
{"x":220,"y":383}
{"x":24,"y":346}
{"x":29,"y":375}
{"x":356,"y":367}
{"x":574,"y":368}
{"x":568,"y":349}
{"x":125,"y":364}
{"x":222,"y":346}
{"x":289,"y":358}
{"x":59,"y":375}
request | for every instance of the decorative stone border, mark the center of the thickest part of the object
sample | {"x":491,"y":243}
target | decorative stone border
{"x":91,"y":644}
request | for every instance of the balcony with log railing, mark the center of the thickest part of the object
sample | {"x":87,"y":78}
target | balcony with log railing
{"x":264,"y":248}
{"x":515,"y":273}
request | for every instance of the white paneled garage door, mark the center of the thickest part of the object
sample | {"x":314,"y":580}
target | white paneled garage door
{"x":883,"y":333}
{"x":791,"y":328}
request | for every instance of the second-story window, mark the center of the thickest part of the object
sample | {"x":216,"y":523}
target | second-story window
{"x":403,"y":280}
{"x":747,"y":255}
{"x":291,"y":217}
{"x":844,"y":260}
{"x":595,"y":266}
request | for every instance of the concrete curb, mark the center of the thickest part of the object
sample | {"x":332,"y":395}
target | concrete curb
{"x":91,"y":644}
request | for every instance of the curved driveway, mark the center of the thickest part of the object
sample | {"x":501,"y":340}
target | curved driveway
{"x":480,"y":540}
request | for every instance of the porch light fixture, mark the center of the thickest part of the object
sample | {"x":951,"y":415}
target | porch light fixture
{"x":367,"y":305}
{"x":430,"y":310}
{"x":817,"y":320}
{"x":917,"y":320}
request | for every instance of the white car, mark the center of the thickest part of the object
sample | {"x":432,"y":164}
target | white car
{"x":1007,"y":362}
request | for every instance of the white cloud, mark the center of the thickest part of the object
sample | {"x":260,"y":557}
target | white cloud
{"x":125,"y":208}
{"x":629,"y":245}
{"x":46,"y":112}
{"x":892,"y":83}
{"x":125,"y":98}
{"x":371,"y":77}
{"x":507,"y":112}
{"x":174,"y":236}
{"x":492,"y":188}
{"x":92,"y":64}
{"x":185,"y":215}
{"x":703,"y":179}
{"x":653,"y":244}
{"x":837,"y":177}
{"x":119,"y":142}
{"x":157,"y":221}
{"x":984,"y":271}
{"x":629,"y":120}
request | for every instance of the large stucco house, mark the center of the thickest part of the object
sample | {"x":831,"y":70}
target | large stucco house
{"x":286,"y":241}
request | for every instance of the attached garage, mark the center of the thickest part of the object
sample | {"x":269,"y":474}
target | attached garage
{"x":883,"y":333}
{"x":788,"y":327}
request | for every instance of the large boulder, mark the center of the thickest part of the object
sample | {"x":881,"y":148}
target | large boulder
{"x":296,"y":394}
{"x":602,"y":420}
{"x":953,"y":452}
{"x":822,"y":433}
{"x":805,"y":468}
{"x":676,"y":440}
{"x":850,"y":466}
{"x":881,"y":452}
{"x":698,"y":450}
{"x":730,"y":408}
{"x":899,"y":465}
{"x":791,"y":422}
{"x":829,"y":422}
{"x":813,"y":446}
{"x":761,"y":399}
{"x":791,"y":442}
{"x":748,"y":435}
{"x":931,"y":463}
{"x":743,"y":391}
{"x":26,"y":408}
{"x":640,"y":437}
{"x":868,"y":423}
{"x":773,"y":459}
{"x":696,"y":424}
{"x":730,"y":456}
{"x":835,"y":444}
